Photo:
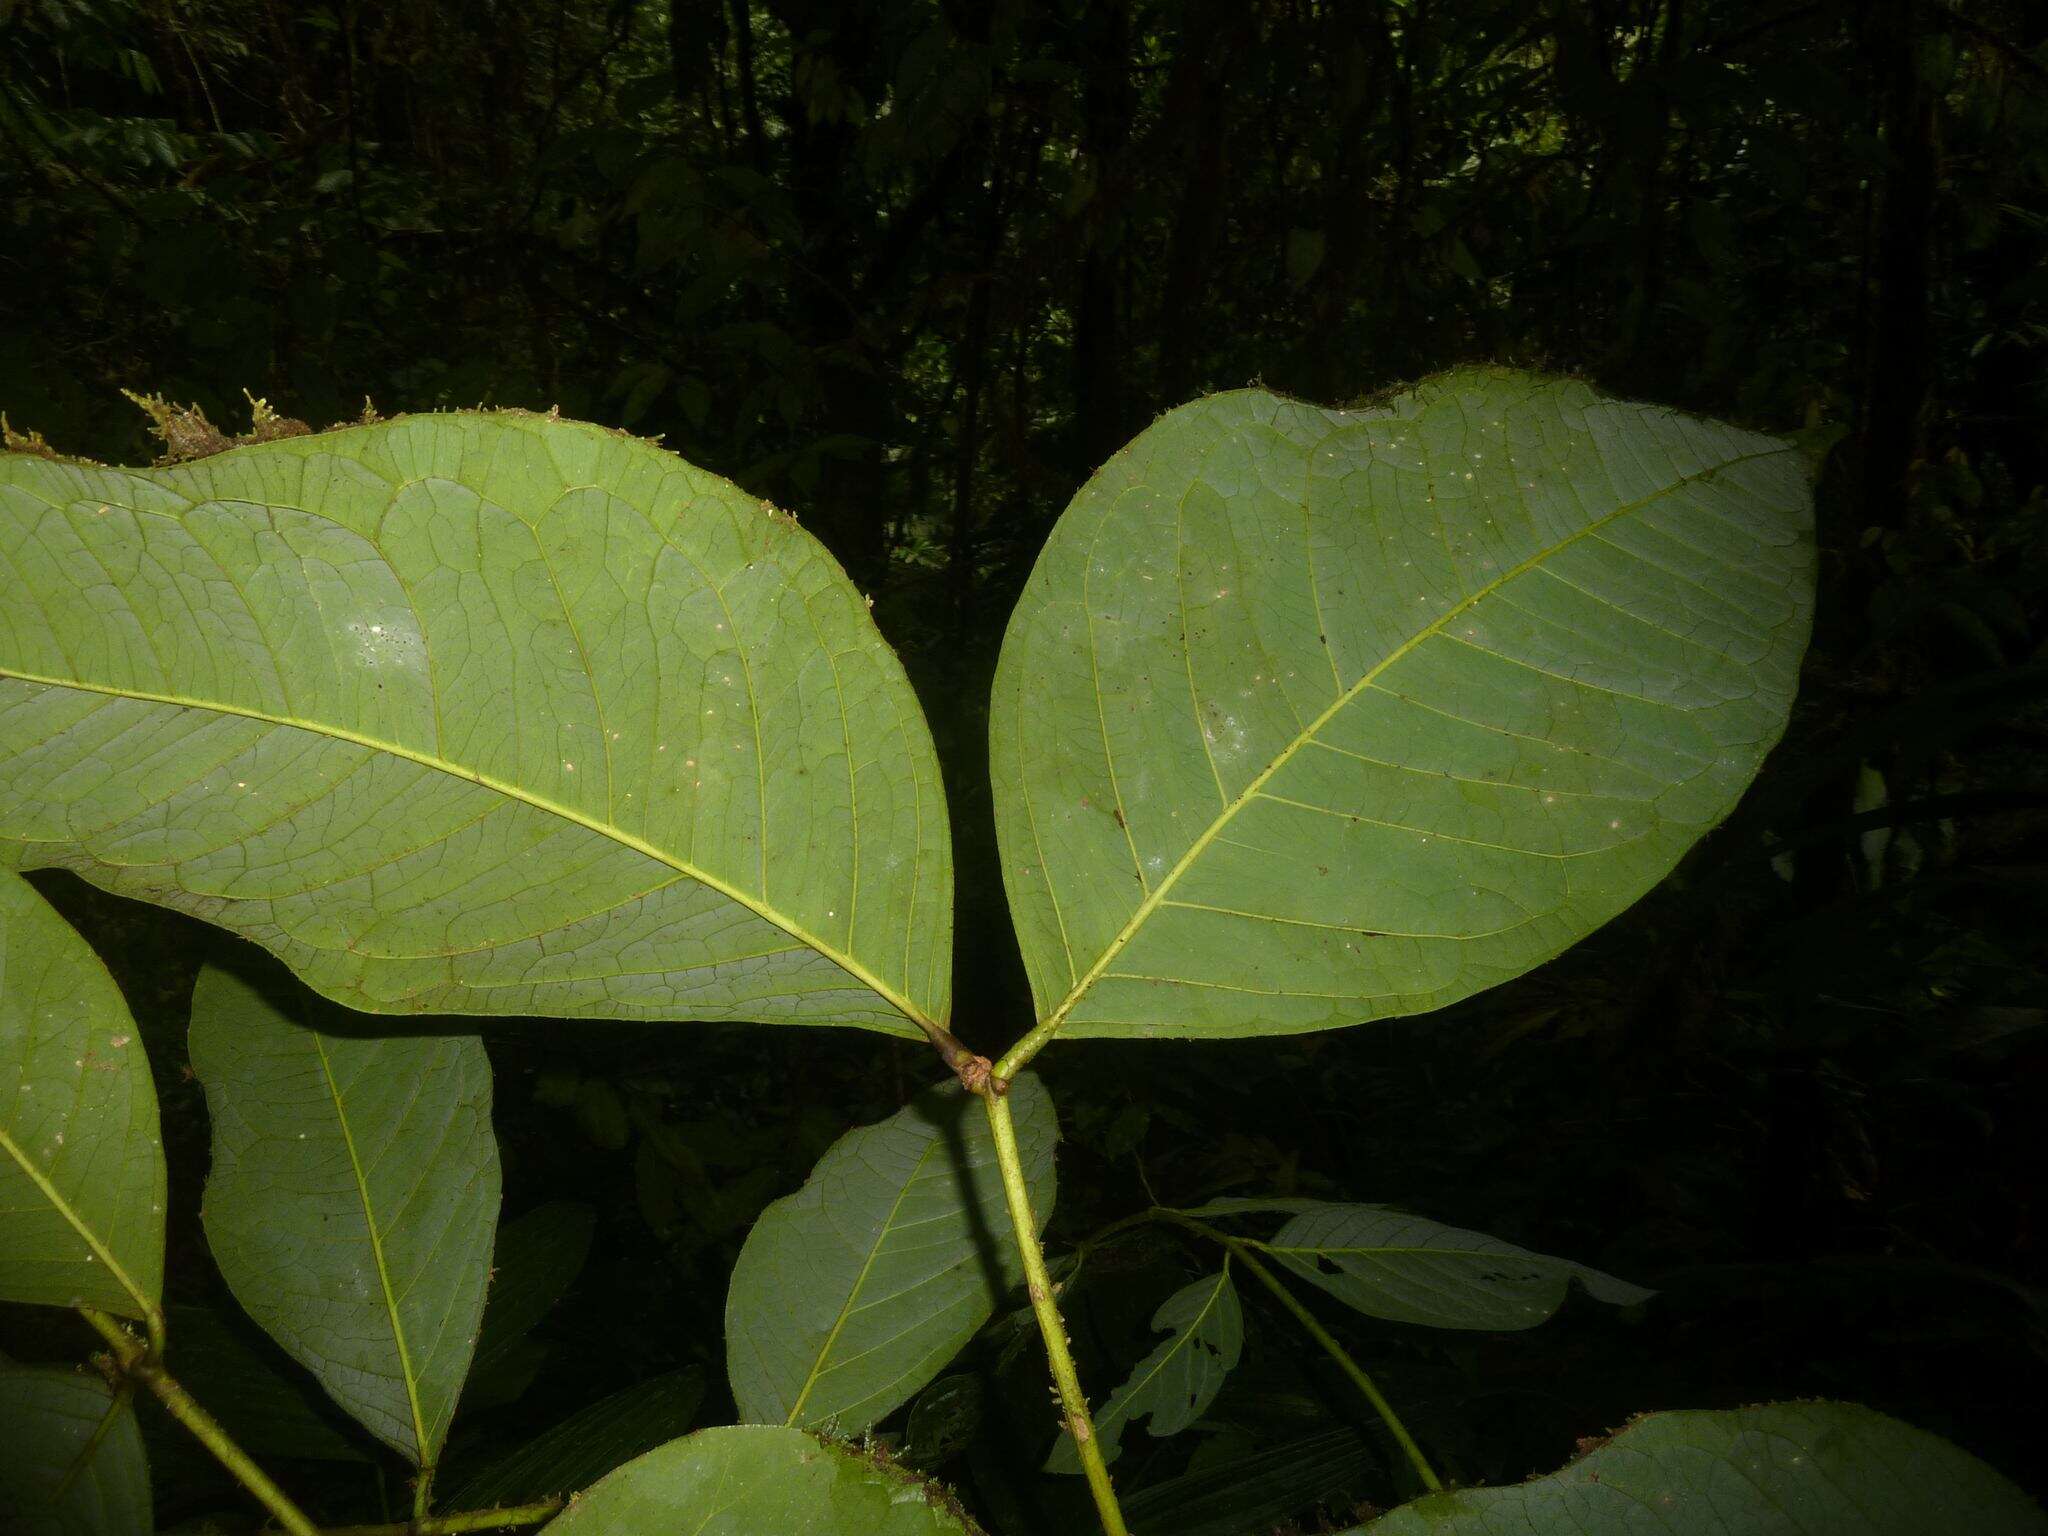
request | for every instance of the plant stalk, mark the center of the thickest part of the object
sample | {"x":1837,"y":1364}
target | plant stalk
{"x":1038,"y":1284}
{"x":137,"y":1362}
{"x":1241,"y":1251}
{"x":456,"y":1525}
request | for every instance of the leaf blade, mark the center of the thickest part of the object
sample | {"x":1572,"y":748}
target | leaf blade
{"x":1815,"y":1469}
{"x":51,"y":1415}
{"x":1219,"y":758}
{"x":747,"y":1478}
{"x":81,"y":1159}
{"x":338,"y":1254}
{"x":1408,"y":1269}
{"x":1174,"y":1385}
{"x":551,"y":645}
{"x":835,"y":1313}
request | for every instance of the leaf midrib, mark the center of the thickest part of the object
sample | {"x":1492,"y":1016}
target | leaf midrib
{"x":1050,"y":1026}
{"x":894,"y":998}
{"x":818,"y":1366}
{"x":405,"y":1366}
{"x":145,"y":1307}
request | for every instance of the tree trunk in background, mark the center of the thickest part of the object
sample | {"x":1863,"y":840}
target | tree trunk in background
{"x":1902,"y":344}
{"x":1198,"y":98}
{"x":1101,"y":413}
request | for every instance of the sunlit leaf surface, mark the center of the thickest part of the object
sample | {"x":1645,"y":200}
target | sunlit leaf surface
{"x":1308,"y":716}
{"x":476,"y":713}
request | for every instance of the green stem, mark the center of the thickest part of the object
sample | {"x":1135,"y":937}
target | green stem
{"x":1242,"y":1252}
{"x":137,"y":1361}
{"x":455,"y":1525}
{"x":422,"y":1496}
{"x":1038,"y":1284}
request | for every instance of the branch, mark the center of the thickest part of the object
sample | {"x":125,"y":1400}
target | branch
{"x":137,"y":1362}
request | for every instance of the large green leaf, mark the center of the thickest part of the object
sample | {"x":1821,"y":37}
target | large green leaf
{"x":1177,"y":1382}
{"x":855,"y":1291}
{"x":1792,"y":1469}
{"x":752,"y":1479}
{"x":81,"y":1163}
{"x":48,"y":1416}
{"x":476,"y":713}
{"x":1412,"y":1270}
{"x":1307,"y":717}
{"x":353,"y":1198}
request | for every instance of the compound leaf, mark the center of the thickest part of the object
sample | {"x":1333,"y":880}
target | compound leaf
{"x":1789,"y":1469}
{"x":81,"y":1160}
{"x":1177,"y":1382}
{"x":1308,"y":717}
{"x":353,"y":1199}
{"x":1408,"y":1269}
{"x":855,"y":1291}
{"x":483,"y":712}
{"x":749,"y":1479}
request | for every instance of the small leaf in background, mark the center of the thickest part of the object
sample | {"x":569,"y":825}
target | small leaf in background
{"x":536,"y":1259}
{"x":267,"y":1403}
{"x":1408,"y":1269}
{"x":1308,"y":717}
{"x":943,"y":1421}
{"x":583,"y":1447}
{"x":1789,"y":1469}
{"x":81,"y":1160}
{"x":1305,"y":248}
{"x":856,"y":1290}
{"x":1254,"y":1490}
{"x":353,"y":1198}
{"x":48,"y":1415}
{"x":761,"y":1480}
{"x":1177,"y":1382}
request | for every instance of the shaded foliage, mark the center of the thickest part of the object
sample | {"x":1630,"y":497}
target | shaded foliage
{"x":915,"y":268}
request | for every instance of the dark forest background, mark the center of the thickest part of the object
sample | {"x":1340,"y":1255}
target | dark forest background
{"x":913,"y":268}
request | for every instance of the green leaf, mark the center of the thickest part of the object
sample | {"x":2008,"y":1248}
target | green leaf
{"x":856,"y":1290}
{"x":476,"y":713}
{"x":1308,"y":717}
{"x":81,"y":1162}
{"x":1177,"y":1382}
{"x":537,"y":1258}
{"x":586,"y":1445}
{"x":1790,"y":1469}
{"x":1411,"y":1270}
{"x":49,"y":1415}
{"x":353,"y":1199}
{"x":749,"y":1479}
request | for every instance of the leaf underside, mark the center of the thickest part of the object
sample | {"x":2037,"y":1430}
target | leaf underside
{"x":1409,"y":1269}
{"x":353,"y":1199}
{"x":1790,"y":1469}
{"x":751,"y":1479}
{"x":49,"y":1415}
{"x":855,"y":1291}
{"x":1176,"y":1383}
{"x":81,"y":1159}
{"x":1308,"y":717}
{"x":476,"y":713}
